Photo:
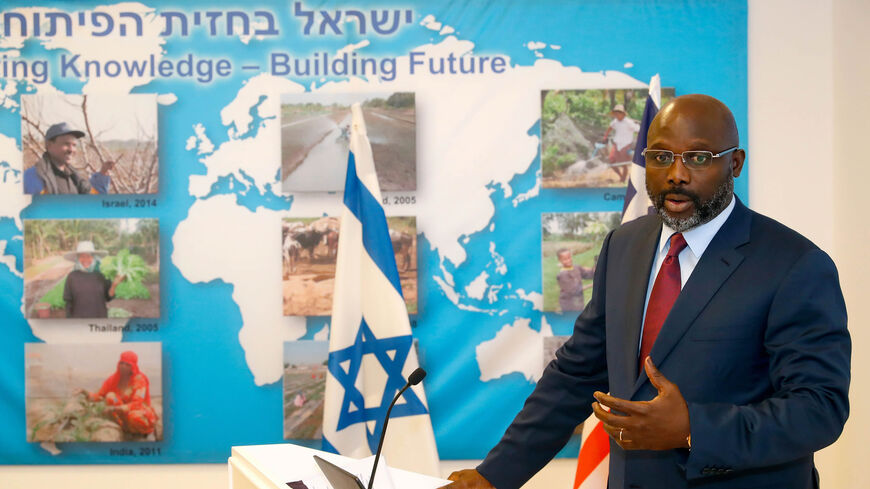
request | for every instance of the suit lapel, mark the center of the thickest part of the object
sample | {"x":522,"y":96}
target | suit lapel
{"x":641,"y":253}
{"x":718,"y":262}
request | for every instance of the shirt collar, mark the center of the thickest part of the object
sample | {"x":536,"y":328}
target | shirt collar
{"x":699,"y":237}
{"x":56,"y":168}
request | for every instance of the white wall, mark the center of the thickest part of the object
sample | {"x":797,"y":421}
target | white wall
{"x":844,"y":462}
{"x":808,"y":71}
{"x":808,"y":166}
{"x":791,"y":131}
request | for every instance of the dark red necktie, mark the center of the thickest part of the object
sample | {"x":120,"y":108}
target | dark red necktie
{"x":664,"y":293}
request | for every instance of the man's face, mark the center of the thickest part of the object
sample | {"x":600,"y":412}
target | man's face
{"x":86,"y":259}
{"x":686,"y":198}
{"x":619,"y":115}
{"x":565,"y":260}
{"x":62,"y":148}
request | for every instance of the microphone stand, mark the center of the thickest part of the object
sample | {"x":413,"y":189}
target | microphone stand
{"x":413,"y":379}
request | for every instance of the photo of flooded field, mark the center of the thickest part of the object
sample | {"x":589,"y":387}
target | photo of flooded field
{"x":309,"y":250}
{"x":305,"y":368}
{"x":93,"y":392}
{"x":315,"y":134}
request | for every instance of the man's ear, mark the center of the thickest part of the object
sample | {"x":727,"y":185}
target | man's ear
{"x":737,"y":159}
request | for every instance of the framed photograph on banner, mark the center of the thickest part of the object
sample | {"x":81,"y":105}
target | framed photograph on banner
{"x":315,"y":133}
{"x":91,"y":268}
{"x":304,"y":379}
{"x":308,"y":249}
{"x":569,"y":252}
{"x":588,"y":136}
{"x":89,"y":144}
{"x":94,"y":392}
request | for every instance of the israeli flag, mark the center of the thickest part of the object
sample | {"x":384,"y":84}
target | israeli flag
{"x":371,"y":350}
{"x":637,"y":201}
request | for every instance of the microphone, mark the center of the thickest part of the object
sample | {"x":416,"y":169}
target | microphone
{"x":413,"y":379}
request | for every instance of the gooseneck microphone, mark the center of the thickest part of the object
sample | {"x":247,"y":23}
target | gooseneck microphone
{"x":413,"y":379}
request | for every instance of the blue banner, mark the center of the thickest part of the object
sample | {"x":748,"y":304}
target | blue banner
{"x":227,"y":124}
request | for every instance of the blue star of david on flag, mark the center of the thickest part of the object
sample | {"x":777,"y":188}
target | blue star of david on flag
{"x":353,"y":409}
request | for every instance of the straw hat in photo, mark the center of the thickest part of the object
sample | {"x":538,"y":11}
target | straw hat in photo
{"x":84,"y":247}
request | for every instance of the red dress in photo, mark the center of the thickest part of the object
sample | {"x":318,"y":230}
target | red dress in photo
{"x":133,"y":403}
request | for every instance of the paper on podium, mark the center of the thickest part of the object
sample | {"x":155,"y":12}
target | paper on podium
{"x":274,"y":466}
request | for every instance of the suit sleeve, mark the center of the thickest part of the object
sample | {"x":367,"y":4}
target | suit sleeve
{"x":809,"y":353}
{"x":561,"y":400}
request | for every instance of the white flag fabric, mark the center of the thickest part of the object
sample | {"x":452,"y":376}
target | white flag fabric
{"x":594,"y":456}
{"x":371,"y":350}
{"x":637,"y":201}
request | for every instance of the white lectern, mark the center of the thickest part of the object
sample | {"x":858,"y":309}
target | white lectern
{"x":273,"y":466}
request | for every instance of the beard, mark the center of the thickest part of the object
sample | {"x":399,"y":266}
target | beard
{"x":704,"y":210}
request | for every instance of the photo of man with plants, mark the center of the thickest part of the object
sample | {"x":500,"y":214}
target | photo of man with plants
{"x":91,"y":268}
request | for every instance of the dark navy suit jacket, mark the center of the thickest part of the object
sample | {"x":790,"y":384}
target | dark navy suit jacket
{"x":756,"y":342}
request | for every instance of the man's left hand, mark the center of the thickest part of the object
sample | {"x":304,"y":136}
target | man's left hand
{"x":659,"y":424}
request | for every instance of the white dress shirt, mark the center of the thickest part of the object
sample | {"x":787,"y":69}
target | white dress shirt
{"x":697,"y":238}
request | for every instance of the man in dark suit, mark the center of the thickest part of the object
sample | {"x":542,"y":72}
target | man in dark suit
{"x":743,"y":317}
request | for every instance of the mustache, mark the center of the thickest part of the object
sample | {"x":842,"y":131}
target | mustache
{"x":660,"y":197}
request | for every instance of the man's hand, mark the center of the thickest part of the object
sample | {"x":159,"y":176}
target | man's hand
{"x":118,"y":280}
{"x":468,"y":479}
{"x":660,"y":424}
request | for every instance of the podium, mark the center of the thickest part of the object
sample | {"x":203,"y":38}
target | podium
{"x":274,"y":466}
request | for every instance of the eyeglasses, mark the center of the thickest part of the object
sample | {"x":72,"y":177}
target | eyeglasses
{"x":693,"y":160}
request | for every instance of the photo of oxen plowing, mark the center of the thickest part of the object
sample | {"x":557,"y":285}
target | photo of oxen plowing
{"x":309,"y":249}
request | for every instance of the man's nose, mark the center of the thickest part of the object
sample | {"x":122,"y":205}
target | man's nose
{"x":678,"y":174}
